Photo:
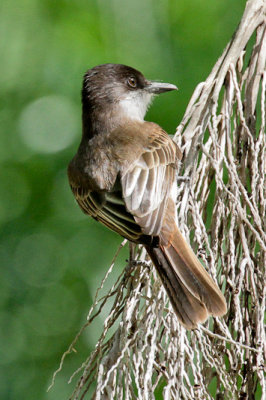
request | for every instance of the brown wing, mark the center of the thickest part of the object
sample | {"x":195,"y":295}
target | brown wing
{"x":134,"y":206}
{"x":109,"y":209}
{"x":148,"y":183}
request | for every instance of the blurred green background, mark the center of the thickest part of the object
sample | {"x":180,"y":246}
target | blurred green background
{"x":52,"y":257}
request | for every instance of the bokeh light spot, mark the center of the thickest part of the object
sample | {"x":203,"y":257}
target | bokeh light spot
{"x":49,"y":124}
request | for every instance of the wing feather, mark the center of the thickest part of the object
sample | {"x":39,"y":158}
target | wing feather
{"x":135,"y":200}
{"x":109,"y":208}
{"x":131,"y":180}
{"x":148,"y":199}
{"x":134,"y":205}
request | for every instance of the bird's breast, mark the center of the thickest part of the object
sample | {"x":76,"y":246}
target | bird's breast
{"x":93,"y":167}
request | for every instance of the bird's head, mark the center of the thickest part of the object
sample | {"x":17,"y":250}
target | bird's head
{"x":119,"y":88}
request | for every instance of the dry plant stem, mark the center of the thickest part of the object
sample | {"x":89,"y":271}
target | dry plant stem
{"x":143,"y":350}
{"x":205,"y":98}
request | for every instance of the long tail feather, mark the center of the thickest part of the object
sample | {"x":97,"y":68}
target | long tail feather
{"x":191,"y":290}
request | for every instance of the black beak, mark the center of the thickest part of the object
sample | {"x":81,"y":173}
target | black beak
{"x":159,"y":87}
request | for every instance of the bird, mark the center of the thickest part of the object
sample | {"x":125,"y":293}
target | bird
{"x":124,"y":175}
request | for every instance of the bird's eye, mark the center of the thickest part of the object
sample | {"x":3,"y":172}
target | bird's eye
{"x":132,"y":82}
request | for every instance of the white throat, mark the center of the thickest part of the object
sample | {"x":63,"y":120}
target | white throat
{"x":135,"y":105}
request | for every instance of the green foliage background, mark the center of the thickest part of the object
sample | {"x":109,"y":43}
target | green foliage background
{"x":52,"y":257}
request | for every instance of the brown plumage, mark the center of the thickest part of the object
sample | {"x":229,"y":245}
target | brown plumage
{"x":124,"y":176}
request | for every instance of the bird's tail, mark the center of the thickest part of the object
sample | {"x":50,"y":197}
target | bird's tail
{"x":192,"y":292}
